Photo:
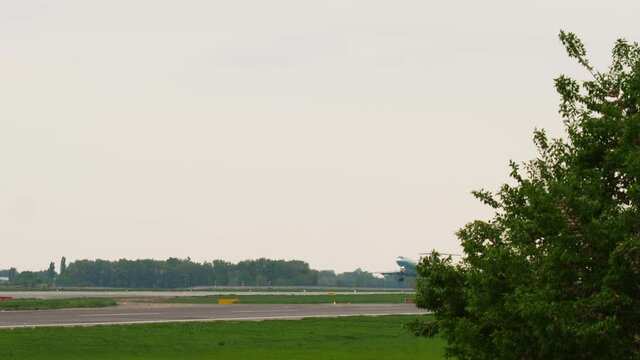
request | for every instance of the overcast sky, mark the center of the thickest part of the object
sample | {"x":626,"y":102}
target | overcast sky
{"x":339,"y":132}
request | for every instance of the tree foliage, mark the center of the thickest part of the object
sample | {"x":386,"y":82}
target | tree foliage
{"x":51,"y":271}
{"x":63,"y":264}
{"x":180,"y":273}
{"x":555,"y":274}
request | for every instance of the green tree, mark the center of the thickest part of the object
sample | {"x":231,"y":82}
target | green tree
{"x":555,"y":274}
{"x":63,"y":264}
{"x":12,"y":274}
{"x":30,"y":278}
{"x":51,"y":271}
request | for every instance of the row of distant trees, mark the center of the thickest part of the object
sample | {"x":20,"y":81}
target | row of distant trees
{"x":184,"y":273}
{"x":30,"y":278}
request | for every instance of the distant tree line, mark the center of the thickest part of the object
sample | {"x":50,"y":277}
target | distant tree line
{"x":29,"y":278}
{"x":185,"y":273}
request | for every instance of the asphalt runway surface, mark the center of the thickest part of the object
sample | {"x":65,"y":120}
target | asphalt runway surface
{"x":156,"y":313}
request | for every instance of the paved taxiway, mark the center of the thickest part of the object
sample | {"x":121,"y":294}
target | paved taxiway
{"x":153,"y":313}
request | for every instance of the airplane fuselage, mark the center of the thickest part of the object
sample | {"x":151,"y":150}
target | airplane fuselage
{"x":407,"y":268}
{"x":406,"y":263}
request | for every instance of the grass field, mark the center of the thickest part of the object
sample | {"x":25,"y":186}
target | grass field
{"x":294,"y":299}
{"x":337,"y":338}
{"x":49,"y":304}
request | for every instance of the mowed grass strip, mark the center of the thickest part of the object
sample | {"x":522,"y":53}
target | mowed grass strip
{"x":336,"y":338}
{"x":295,"y":299}
{"x":50,"y":304}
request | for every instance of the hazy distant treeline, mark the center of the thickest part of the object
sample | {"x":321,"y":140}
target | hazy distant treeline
{"x":183,"y":273}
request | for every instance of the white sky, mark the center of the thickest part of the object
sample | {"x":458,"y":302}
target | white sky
{"x":339,"y":132}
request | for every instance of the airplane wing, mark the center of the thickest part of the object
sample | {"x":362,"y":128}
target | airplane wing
{"x":391,"y":273}
{"x":399,"y":274}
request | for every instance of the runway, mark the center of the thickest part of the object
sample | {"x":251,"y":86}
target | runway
{"x":156,"y":313}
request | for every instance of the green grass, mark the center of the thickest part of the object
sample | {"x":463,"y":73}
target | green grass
{"x":49,"y":304}
{"x":293,"y":299}
{"x":337,"y":338}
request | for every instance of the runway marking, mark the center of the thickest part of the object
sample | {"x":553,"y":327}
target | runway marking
{"x":121,"y":314}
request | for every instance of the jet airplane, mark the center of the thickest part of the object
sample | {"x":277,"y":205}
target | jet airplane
{"x":407,"y":268}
